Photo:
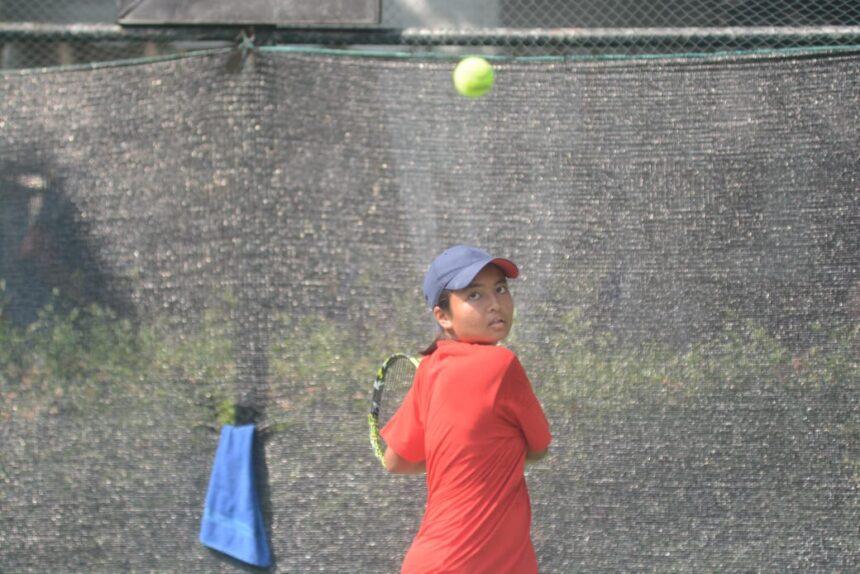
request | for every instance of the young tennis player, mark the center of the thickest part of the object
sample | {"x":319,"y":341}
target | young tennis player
{"x":471,"y":421}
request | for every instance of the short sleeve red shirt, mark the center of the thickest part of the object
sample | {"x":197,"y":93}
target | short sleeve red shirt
{"x":472,"y":415}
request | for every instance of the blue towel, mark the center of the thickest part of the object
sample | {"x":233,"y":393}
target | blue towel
{"x":232,"y":521}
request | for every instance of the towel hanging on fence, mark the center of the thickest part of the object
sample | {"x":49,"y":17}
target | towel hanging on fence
{"x":232,"y":520}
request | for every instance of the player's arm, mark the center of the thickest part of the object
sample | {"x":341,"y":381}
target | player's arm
{"x":396,"y":464}
{"x":536,"y":455}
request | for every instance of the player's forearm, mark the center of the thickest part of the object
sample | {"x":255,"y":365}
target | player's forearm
{"x":535,"y":455}
{"x":410,"y":468}
{"x":396,"y":464}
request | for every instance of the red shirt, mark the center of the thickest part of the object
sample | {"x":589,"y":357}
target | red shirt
{"x":472,"y":415}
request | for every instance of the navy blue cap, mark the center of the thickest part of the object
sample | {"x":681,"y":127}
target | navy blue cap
{"x":455,"y":268}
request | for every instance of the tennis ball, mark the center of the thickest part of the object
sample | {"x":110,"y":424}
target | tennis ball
{"x":473,"y":77}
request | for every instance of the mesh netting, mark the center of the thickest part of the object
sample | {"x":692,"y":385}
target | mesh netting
{"x":38,"y":33}
{"x":185,"y":239}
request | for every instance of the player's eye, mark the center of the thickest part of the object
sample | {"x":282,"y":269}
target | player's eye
{"x":474,"y":295}
{"x":502,"y":289}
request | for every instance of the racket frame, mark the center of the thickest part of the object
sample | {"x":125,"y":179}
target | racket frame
{"x":376,"y":401}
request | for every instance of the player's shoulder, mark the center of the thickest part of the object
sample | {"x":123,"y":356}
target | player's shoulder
{"x":498,"y":354}
{"x":470,"y":353}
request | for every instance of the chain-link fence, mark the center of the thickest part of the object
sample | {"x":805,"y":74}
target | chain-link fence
{"x":37,"y":33}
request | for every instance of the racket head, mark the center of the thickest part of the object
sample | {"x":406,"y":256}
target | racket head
{"x":393,"y":380}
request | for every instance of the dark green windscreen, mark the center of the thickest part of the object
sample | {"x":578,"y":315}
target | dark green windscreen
{"x":180,"y":238}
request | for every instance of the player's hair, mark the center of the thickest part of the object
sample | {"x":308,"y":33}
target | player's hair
{"x":444,"y":304}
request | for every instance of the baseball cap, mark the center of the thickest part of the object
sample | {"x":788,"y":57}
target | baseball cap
{"x":455,"y":268}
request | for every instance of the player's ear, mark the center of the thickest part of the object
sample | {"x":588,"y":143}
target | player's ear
{"x":442,"y":317}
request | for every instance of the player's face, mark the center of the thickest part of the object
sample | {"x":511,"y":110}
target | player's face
{"x":482,"y":312}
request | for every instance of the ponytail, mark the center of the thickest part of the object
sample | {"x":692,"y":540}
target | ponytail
{"x":431,"y":348}
{"x":445,"y":304}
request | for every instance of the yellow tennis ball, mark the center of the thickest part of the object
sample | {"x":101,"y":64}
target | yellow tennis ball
{"x":473,"y":76}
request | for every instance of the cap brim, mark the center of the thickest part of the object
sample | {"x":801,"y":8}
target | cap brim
{"x":508,"y":267}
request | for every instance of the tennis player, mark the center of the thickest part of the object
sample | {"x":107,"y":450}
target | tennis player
{"x":471,"y":421}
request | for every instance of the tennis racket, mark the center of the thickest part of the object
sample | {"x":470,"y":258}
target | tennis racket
{"x":394,"y":377}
